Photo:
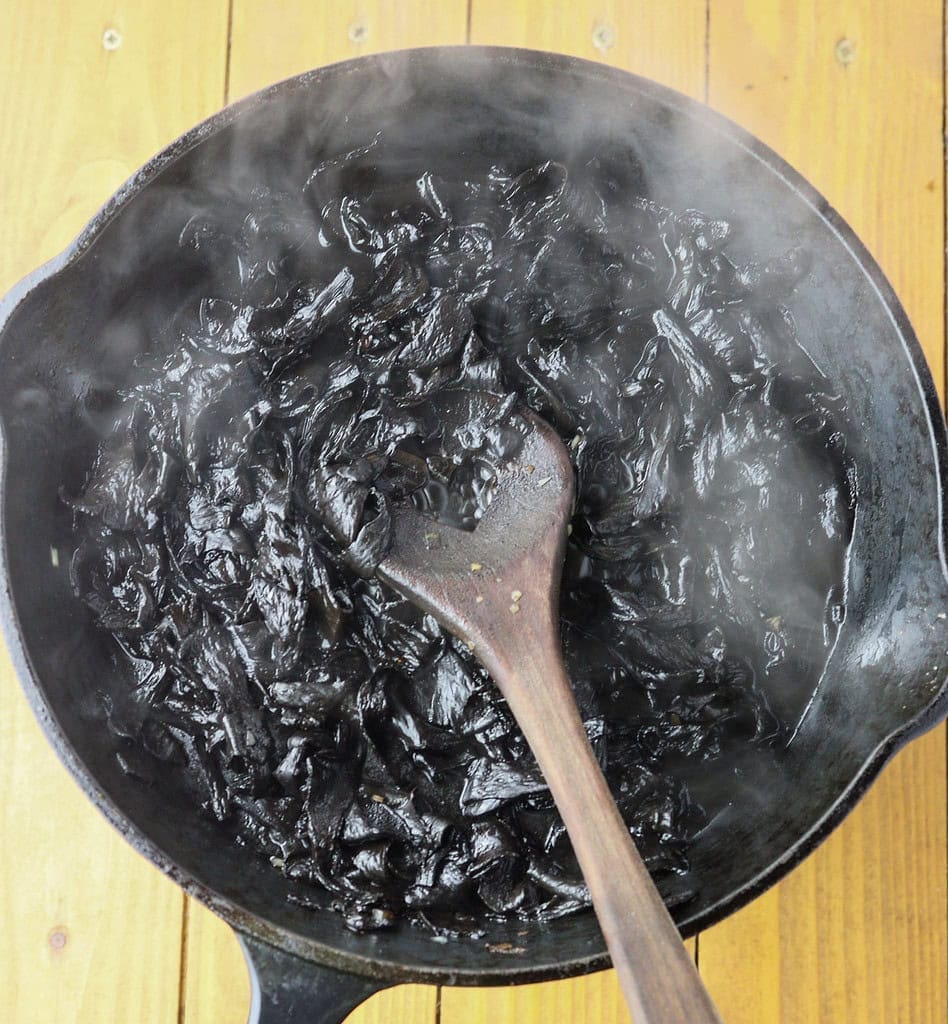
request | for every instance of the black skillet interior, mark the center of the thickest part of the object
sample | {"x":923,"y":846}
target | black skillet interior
{"x":73,"y":331}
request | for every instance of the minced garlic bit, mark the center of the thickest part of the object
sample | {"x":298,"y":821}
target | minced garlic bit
{"x":514,"y":608}
{"x":505,"y":947}
{"x":378,"y":798}
{"x":476,"y":567}
{"x":479,"y":599}
{"x":515,"y":595}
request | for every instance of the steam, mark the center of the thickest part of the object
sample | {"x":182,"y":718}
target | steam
{"x":731,"y":501}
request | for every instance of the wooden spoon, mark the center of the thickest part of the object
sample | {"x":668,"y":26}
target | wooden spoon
{"x":497,"y":588}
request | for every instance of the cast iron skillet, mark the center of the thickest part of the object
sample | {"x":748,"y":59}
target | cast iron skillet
{"x":69,"y":333}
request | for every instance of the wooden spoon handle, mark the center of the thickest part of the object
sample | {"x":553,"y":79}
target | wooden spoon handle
{"x":659,"y":979}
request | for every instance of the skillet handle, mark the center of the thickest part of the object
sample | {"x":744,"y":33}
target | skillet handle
{"x":285,"y":989}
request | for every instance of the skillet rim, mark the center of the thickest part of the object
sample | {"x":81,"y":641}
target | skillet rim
{"x":391,"y":971}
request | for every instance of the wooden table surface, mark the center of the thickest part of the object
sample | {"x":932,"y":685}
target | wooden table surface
{"x":852,"y":93}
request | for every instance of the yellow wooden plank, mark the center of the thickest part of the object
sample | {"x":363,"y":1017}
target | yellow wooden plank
{"x":592,"y":999}
{"x":270,"y":41}
{"x":91,"y":931}
{"x":405,"y":1004}
{"x":664,"y":41}
{"x":217,"y":987}
{"x":857,"y":932}
{"x":79,"y":118}
{"x":851,"y":93}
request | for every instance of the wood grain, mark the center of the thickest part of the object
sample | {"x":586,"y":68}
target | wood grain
{"x":216,"y":986}
{"x":854,"y":100}
{"x":273,"y":39}
{"x":664,"y":41}
{"x":215,"y":983}
{"x":857,"y":932}
{"x":405,"y":1004}
{"x":867,"y":133}
{"x":78,"y":119}
{"x":593,"y":999}
{"x":91,"y":932}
